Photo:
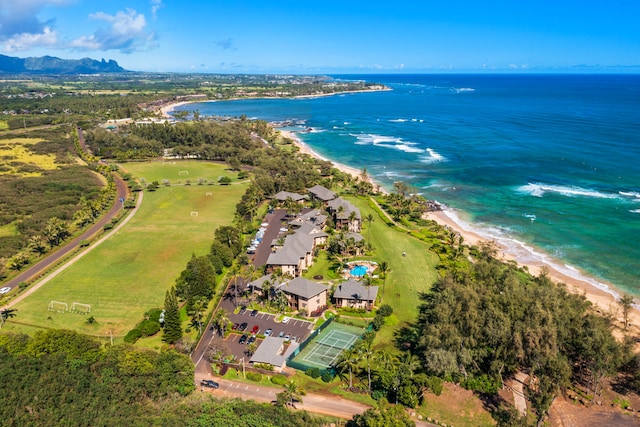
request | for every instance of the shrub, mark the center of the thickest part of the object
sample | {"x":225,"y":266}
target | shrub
{"x":153,"y":314}
{"x":377,"y":394}
{"x":132,"y":336}
{"x":243,"y":175}
{"x":279,"y":379}
{"x":385,"y":310}
{"x":107,"y":227}
{"x":377,"y":323}
{"x":83,"y":243}
{"x":482,"y":383}
{"x":254,"y":376}
{"x":313,"y":373}
{"x":148,"y":327}
{"x":327,"y":376}
{"x":435,"y":385}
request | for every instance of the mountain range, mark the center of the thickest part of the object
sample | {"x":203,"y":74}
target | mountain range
{"x":53,"y":65}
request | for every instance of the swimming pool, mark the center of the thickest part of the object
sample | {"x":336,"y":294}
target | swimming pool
{"x":359,"y":270}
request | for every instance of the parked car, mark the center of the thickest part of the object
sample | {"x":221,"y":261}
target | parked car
{"x":255,"y":329}
{"x":281,"y":334}
{"x":5,"y":290}
{"x":235,"y":326}
{"x":243,"y":339}
{"x":254,"y":313}
{"x":268,"y":332}
{"x":286,"y":319}
{"x":243,"y":326}
{"x":242,"y":309}
{"x":209,"y":383}
{"x":286,"y":337}
{"x":252,"y":339}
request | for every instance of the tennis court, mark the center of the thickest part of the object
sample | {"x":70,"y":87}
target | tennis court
{"x":325,"y":348}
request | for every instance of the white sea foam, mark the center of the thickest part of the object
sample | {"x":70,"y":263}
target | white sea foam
{"x":539,"y":190}
{"x":462,"y":89}
{"x":532,"y":217}
{"x":632,"y":194}
{"x":525,"y":254}
{"x":634,"y":211}
{"x":387,"y":142}
{"x":432,"y":157}
{"x":398,"y":120}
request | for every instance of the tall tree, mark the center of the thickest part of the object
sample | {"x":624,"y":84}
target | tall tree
{"x":348,"y":362}
{"x":172,"y":325}
{"x":384,"y":269}
{"x":7,"y":313}
{"x":626,"y":303}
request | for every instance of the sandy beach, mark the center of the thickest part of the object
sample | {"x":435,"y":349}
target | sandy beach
{"x":605,"y":302}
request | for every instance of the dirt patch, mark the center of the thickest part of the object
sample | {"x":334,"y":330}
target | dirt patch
{"x":456,"y":406}
{"x":566,"y":413}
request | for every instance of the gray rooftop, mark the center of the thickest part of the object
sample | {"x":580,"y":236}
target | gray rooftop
{"x":352,"y":289}
{"x":347,"y":208}
{"x":257,"y":284}
{"x":270,"y":349}
{"x":303,"y":288}
{"x":322,"y":193}
{"x":284,"y":195}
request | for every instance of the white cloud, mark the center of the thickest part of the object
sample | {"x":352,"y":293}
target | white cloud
{"x":25,"y":41}
{"x":155,"y":6}
{"x":20,"y":27}
{"x":126,"y":33}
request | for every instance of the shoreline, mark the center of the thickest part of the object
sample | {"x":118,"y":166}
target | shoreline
{"x":168,"y":108}
{"x":603,"y":300}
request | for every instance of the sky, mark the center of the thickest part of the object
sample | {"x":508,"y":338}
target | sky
{"x":331,"y":37}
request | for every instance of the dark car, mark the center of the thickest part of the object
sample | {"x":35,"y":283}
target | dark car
{"x":243,"y":326}
{"x":242,"y":309}
{"x":254,"y":313}
{"x":255,"y":329}
{"x":243,"y":339}
{"x":252,"y":339}
{"x":209,"y":383}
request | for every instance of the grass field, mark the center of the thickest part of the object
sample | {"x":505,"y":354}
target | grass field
{"x":408,"y":276}
{"x":178,"y":172}
{"x":129,"y":273}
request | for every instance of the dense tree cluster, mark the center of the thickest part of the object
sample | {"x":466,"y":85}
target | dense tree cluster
{"x":481,"y":325}
{"x":61,"y":377}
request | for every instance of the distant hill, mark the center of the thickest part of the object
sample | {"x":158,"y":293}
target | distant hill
{"x":53,"y":65}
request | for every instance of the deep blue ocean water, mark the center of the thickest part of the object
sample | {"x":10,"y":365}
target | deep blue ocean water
{"x":547,"y":164}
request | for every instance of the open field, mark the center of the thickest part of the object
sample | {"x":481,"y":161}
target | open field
{"x":408,"y":276}
{"x":178,"y":172}
{"x":18,"y":159}
{"x":129,"y":273}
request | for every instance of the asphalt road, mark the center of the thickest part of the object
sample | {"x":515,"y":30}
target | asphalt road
{"x":37,"y":269}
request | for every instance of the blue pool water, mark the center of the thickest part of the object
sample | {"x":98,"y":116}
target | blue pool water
{"x":359,"y":270}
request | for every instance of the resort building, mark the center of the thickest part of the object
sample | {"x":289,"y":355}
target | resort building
{"x":273,"y":351}
{"x":354,"y":294}
{"x":293,"y":253}
{"x":345,"y":215}
{"x":323,"y":194}
{"x":305,"y":296}
{"x":282,"y":196}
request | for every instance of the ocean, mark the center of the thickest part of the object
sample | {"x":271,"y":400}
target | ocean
{"x":549,"y":165}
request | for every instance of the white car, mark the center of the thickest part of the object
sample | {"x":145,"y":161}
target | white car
{"x":5,"y":290}
{"x":285,"y":319}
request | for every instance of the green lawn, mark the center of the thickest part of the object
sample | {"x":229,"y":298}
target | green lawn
{"x":129,"y":273}
{"x":409,"y":275}
{"x":181,"y":171}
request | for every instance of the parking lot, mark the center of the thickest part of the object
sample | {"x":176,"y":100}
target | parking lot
{"x":296,"y":329}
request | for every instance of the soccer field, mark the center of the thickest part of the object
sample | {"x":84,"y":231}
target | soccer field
{"x":129,"y":273}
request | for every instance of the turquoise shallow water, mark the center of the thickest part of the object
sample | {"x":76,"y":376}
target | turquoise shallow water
{"x":548,"y":164}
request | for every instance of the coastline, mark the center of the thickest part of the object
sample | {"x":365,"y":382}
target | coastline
{"x":168,"y":108}
{"x":603,"y":300}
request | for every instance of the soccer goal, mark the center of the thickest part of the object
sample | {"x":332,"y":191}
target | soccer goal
{"x":183,"y":173}
{"x":58,"y":307}
{"x":78,"y":307}
{"x":194,"y":213}
{"x":208,"y":194}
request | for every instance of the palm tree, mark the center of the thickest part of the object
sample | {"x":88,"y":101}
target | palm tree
{"x":197,"y":312}
{"x":384,"y":268}
{"x":348,"y":362}
{"x":366,"y":351}
{"x":369,"y":218}
{"x":366,"y":282}
{"x":292,"y":393}
{"x":220,"y":321}
{"x":7,"y":313}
